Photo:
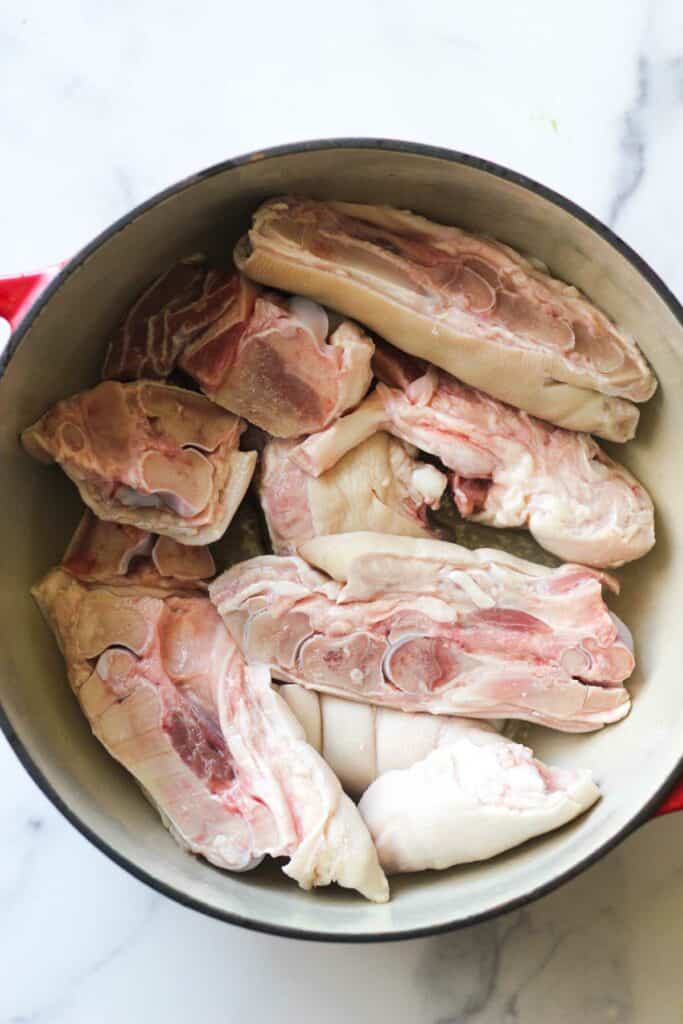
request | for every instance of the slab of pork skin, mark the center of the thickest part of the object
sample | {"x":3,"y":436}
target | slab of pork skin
{"x":377,"y":486}
{"x":149,"y":455}
{"x":468,"y":304}
{"x":468,"y":801}
{"x":507,"y":468}
{"x":423,"y":625}
{"x":168,"y":694}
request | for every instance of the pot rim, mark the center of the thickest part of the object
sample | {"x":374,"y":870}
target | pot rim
{"x":314,"y":145}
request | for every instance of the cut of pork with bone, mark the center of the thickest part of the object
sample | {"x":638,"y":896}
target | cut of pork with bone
{"x":149,"y":455}
{"x":174,"y":309}
{"x":424,"y":625}
{"x":262,"y":356}
{"x":270,"y":360}
{"x":468,"y":304}
{"x":377,"y":486}
{"x":101,"y":552}
{"x":508,"y":469}
{"x":469,"y":800}
{"x":168,"y":694}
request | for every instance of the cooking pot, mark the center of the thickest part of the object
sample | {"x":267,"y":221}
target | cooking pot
{"x":61,"y":319}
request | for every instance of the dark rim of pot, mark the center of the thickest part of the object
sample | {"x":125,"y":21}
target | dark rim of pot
{"x":386,"y":145}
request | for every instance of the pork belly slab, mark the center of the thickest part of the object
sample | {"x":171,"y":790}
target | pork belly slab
{"x":507,"y":469}
{"x":423,"y":625}
{"x":148,"y":455}
{"x":470,"y":305}
{"x":377,"y":486}
{"x":215,"y":748}
{"x":271,"y":359}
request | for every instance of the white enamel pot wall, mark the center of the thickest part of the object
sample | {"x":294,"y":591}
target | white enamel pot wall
{"x":57,"y":349}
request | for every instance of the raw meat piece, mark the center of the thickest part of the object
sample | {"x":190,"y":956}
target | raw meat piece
{"x":508,"y":469}
{"x":452,"y":790}
{"x":423,"y":625}
{"x":149,"y":455}
{"x":174,"y":309}
{"x":101,"y":552}
{"x":360,"y":742}
{"x":467,"y":801}
{"x":470,"y":305}
{"x":167,"y":693}
{"x":377,"y":486}
{"x":269,"y":359}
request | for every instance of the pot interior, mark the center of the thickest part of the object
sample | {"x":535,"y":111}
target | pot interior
{"x":60,"y":352}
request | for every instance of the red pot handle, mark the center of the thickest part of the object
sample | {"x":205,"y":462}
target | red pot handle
{"x":673,"y":802}
{"x":17,"y":295}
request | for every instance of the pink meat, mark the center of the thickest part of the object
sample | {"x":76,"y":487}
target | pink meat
{"x":377,"y":486}
{"x":168,"y":694}
{"x":470,"y":304}
{"x":174,"y":309}
{"x":277,"y":367}
{"x":148,"y":455}
{"x":477,"y":634}
{"x":508,"y":469}
{"x":102,"y":552}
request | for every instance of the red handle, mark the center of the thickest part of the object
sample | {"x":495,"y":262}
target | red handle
{"x":17,"y":294}
{"x":673,"y":802}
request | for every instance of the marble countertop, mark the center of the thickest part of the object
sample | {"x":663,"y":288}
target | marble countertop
{"x":100,"y":106}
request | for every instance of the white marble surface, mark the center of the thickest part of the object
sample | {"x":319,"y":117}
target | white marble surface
{"x":101,"y":105}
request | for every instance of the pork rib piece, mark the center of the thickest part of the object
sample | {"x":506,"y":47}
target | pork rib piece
{"x":180,"y":304}
{"x":470,"y":305}
{"x":377,"y":486}
{"x":101,"y":552}
{"x":507,"y":468}
{"x":424,"y":625}
{"x":469,"y":800}
{"x":167,"y":693}
{"x":149,"y":455}
{"x":270,"y":360}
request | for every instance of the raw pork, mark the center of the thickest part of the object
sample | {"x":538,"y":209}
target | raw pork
{"x":470,"y":305}
{"x":174,"y":309}
{"x":270,"y":360}
{"x":377,"y":486}
{"x":149,"y":455}
{"x":168,"y":694}
{"x":423,"y":625}
{"x":102,"y":552}
{"x":507,"y":468}
{"x":469,"y":800}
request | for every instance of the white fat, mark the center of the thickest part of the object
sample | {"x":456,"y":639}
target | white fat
{"x":430,"y":483}
{"x":465,"y":803}
{"x":310,"y":314}
{"x":478,"y":596}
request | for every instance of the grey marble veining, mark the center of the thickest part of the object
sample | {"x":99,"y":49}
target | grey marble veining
{"x":100,"y":106}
